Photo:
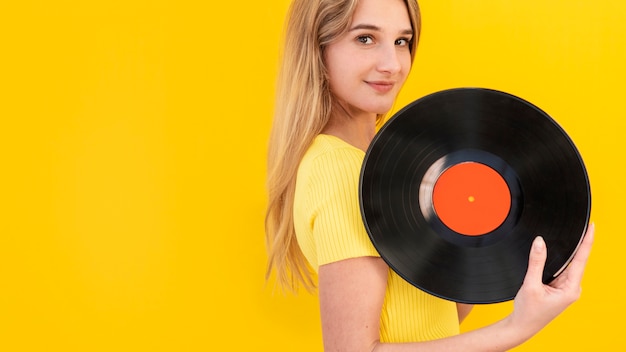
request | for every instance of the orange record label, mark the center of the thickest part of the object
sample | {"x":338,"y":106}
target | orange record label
{"x":471,"y":198}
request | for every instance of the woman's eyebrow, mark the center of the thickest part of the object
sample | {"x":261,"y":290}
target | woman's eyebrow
{"x":372,"y":27}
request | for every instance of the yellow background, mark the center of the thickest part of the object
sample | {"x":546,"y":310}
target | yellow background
{"x":132,"y":143}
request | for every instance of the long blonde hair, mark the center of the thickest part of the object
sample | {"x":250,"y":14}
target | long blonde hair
{"x":303,"y":108}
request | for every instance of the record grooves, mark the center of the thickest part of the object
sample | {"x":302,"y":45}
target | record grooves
{"x":455,"y":187}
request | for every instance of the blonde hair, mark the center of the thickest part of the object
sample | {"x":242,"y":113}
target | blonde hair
{"x":303,"y":108}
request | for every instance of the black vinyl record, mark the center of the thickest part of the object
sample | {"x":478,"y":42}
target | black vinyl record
{"x":455,"y":187}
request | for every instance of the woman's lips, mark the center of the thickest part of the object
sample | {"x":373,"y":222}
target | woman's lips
{"x":381,"y":86}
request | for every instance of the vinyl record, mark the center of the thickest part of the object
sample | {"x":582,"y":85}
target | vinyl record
{"x":455,"y":187}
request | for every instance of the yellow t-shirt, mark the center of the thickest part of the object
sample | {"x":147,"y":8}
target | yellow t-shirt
{"x":329,"y":228}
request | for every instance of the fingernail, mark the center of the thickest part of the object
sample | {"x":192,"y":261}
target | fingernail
{"x":539,"y":244}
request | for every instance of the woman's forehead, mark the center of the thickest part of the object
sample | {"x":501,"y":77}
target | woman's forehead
{"x":384,"y":14}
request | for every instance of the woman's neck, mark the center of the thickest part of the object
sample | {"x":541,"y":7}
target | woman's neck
{"x":357,"y":130}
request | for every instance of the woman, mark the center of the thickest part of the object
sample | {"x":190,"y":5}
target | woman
{"x":344,"y":63}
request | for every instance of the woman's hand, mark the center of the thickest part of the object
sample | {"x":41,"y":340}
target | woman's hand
{"x":536,"y":304}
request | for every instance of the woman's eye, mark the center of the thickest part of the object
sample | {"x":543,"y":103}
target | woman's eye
{"x":403,"y":41}
{"x":365,"y":39}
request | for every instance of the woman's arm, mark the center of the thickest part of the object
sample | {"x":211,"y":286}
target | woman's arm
{"x":352,"y":293}
{"x":464,"y":310}
{"x":351,"y":298}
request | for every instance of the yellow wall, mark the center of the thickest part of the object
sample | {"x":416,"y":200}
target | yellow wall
{"x":132,"y":143}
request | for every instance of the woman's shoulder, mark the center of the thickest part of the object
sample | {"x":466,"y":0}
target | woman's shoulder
{"x":330,"y":162}
{"x":327,"y":147}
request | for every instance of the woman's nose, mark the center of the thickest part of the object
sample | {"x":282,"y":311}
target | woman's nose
{"x":389,"y":59}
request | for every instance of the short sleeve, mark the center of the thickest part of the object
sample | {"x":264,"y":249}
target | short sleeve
{"x":338,"y":229}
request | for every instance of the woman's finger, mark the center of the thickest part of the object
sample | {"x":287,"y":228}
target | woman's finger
{"x":536,"y":261}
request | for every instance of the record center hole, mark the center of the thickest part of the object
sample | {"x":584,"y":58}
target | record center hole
{"x":471,"y":199}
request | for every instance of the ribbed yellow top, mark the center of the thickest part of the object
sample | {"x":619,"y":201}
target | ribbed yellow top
{"x":329,"y":228}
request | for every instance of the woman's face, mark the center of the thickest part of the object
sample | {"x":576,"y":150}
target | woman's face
{"x":368,"y":65}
